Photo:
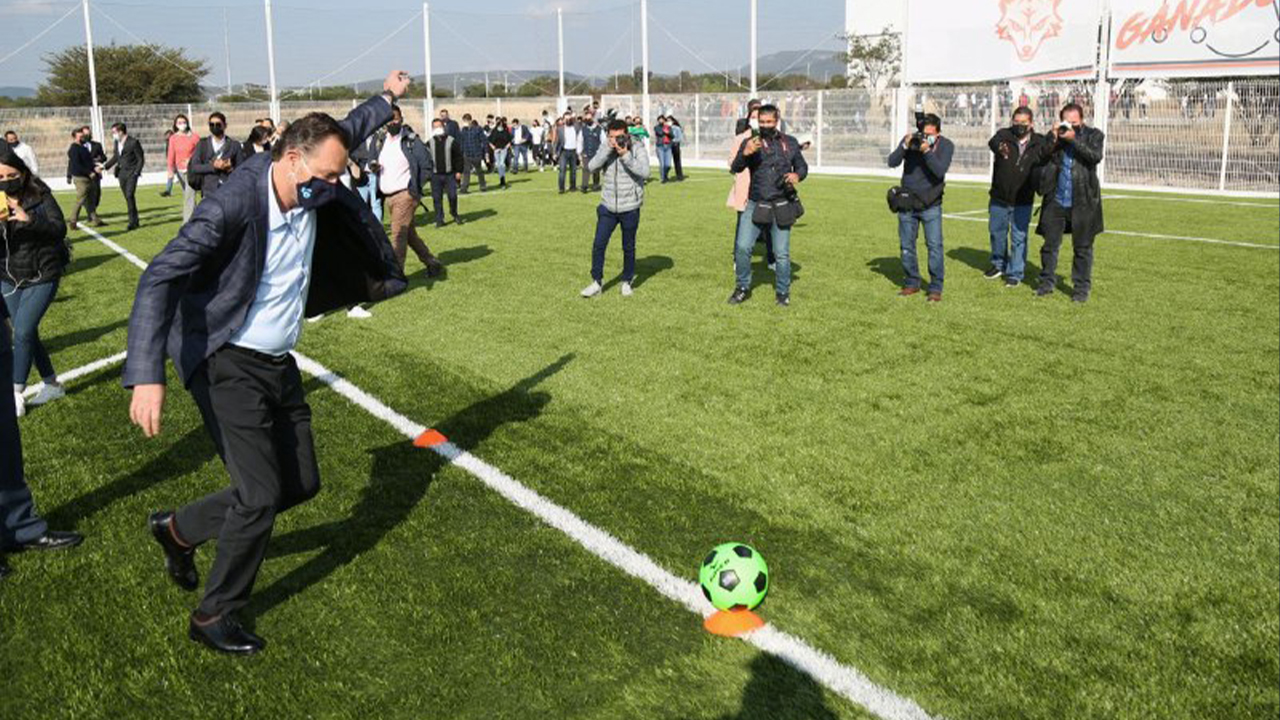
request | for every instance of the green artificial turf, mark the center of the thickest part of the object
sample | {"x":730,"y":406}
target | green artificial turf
{"x":998,"y":506}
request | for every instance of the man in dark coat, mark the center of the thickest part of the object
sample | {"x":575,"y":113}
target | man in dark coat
{"x":127,"y":161}
{"x":281,"y":240}
{"x":1072,"y":201}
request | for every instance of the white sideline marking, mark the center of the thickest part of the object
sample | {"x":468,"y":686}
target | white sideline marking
{"x":1200,"y":201}
{"x":842,"y":679}
{"x":81,"y":371}
{"x":1213,"y":241}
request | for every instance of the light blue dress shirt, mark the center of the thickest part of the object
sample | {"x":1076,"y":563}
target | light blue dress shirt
{"x":274,"y":321}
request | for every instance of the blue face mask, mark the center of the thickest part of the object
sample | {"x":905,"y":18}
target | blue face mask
{"x":315,"y":192}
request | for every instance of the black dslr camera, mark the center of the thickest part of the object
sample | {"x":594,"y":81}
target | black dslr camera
{"x":919,"y":139}
{"x":623,"y":141}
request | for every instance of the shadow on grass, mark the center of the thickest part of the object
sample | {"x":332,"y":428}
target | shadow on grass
{"x":448,"y":258}
{"x":87,"y":335}
{"x":646,"y":267}
{"x":183,"y":457}
{"x":399,"y":479}
{"x":778,"y":690}
{"x":981,"y":260}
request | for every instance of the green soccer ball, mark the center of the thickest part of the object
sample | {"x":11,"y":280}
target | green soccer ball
{"x":734,"y":577}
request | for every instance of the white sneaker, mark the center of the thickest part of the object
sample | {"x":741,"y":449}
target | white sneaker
{"x":773,"y":266}
{"x":315,"y":318}
{"x":48,"y":393}
{"x":20,"y":404}
{"x":592,"y":290}
{"x":358,"y":312}
{"x":626,"y":289}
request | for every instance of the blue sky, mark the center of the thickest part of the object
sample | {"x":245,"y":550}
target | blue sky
{"x":315,"y":39}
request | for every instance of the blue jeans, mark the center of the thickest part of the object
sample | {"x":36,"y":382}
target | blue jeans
{"x":748,"y":234}
{"x":27,"y":306}
{"x":369,"y":193}
{"x":1009,"y":225}
{"x":521,"y":152}
{"x":664,"y":161}
{"x":500,"y":161}
{"x":908,"y":230}
{"x":606,"y":221}
{"x":19,"y":522}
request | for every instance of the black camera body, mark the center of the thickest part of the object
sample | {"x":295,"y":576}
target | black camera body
{"x":919,"y":139}
{"x":623,"y":141}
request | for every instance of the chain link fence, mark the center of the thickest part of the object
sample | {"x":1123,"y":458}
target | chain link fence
{"x":1194,"y":135}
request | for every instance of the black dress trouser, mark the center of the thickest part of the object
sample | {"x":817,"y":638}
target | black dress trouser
{"x":254,"y":407}
{"x":1054,"y":219}
{"x":129,"y":188}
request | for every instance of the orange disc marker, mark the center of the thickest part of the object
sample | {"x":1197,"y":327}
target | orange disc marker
{"x":732,"y":623}
{"x":430,"y":438}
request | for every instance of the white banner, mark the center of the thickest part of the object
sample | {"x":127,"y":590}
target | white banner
{"x":981,"y":40}
{"x":1181,"y":38}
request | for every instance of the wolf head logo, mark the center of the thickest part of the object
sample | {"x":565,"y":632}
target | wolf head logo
{"x":1028,"y":23}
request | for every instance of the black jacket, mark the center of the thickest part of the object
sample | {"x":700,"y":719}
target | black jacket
{"x":419,"y":160}
{"x":36,"y":251}
{"x":1086,"y":205}
{"x":446,"y":154}
{"x":925,"y":174}
{"x":96,"y":152}
{"x":79,"y":161}
{"x":200,"y":172}
{"x":128,"y":160}
{"x":768,"y":165}
{"x":1013,"y":176}
{"x":500,"y":138}
{"x":197,"y":292}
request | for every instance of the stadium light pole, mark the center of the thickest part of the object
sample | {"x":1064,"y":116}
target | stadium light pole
{"x":95,"y":113}
{"x":644,"y":58}
{"x":428,"y":102}
{"x":271,"y":64}
{"x":226,"y":47}
{"x":560,"y":54}
{"x":753,"y":48}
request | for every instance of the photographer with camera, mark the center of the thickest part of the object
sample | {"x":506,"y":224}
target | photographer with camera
{"x":776,"y":166}
{"x":1072,"y":201}
{"x":1018,"y":152}
{"x":623,"y":165}
{"x":926,"y":157}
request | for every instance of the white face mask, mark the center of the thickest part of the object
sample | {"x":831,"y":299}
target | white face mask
{"x":182,"y":127}
{"x":437,"y":132}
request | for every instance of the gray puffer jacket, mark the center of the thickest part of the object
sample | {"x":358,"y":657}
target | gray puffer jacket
{"x":622,"y":179}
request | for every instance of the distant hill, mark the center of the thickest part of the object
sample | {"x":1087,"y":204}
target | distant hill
{"x":17,"y":92}
{"x":819,"y":65}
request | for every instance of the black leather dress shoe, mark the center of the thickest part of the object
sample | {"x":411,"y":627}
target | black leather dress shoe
{"x":52,"y":540}
{"x":225,"y":635}
{"x":179,"y":561}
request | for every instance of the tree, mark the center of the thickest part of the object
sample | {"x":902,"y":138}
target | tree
{"x":874,"y":60}
{"x":127,"y":75}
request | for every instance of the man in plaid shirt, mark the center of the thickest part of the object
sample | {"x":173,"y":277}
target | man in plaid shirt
{"x":474,"y":145}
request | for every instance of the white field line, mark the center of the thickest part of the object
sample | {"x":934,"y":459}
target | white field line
{"x":842,"y":679}
{"x":1197,"y":201}
{"x":1126,"y":233}
{"x":81,"y":371}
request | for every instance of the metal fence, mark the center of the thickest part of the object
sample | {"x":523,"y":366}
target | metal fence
{"x":1196,"y":135}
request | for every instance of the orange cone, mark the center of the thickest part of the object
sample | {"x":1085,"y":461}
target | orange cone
{"x":430,"y":438}
{"x":732,"y":623}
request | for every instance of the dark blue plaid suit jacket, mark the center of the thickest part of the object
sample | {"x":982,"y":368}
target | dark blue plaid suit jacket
{"x":197,"y":292}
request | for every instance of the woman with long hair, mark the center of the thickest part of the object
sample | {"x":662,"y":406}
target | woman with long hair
{"x":33,"y":256}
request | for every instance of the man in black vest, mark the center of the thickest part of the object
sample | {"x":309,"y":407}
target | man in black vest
{"x":127,"y":160}
{"x":446,"y":172}
{"x":282,"y":239}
